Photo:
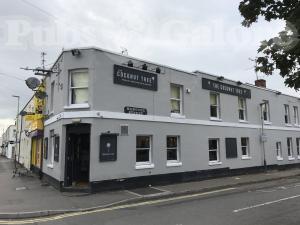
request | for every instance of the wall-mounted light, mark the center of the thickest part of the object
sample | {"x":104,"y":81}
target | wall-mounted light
{"x":188,"y":91}
{"x":239,"y":83}
{"x":145,"y":67}
{"x":130,"y":63}
{"x":220,"y":78}
{"x":158,"y":70}
{"x":76,"y":52}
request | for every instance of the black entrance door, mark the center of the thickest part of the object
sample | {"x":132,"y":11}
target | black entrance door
{"x":77,"y":155}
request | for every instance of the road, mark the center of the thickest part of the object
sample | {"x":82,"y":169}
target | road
{"x":265,"y":204}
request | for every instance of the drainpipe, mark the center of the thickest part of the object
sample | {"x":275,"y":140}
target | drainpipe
{"x":262,"y":137}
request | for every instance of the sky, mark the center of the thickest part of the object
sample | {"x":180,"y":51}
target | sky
{"x":189,"y":35}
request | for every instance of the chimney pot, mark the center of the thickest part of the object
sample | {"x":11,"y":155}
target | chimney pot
{"x":261,"y":83}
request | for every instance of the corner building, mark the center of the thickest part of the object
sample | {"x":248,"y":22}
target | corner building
{"x":114,"y":121}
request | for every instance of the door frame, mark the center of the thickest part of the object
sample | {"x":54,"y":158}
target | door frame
{"x":80,"y":128}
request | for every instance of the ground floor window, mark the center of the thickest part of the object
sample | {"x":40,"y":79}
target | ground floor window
{"x":213,"y":149}
{"x":143,"y":149}
{"x":173,"y":148}
{"x":298,"y":147}
{"x":278,"y":150}
{"x":245,"y":147}
{"x":290,"y":148}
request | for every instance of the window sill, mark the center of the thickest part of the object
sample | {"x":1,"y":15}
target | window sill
{"x":243,"y":121}
{"x":291,"y":158}
{"x":296,"y":125}
{"x":144,"y":166}
{"x":174,"y":164}
{"x":288,"y":125}
{"x":279,"y":159}
{"x":78,"y":106}
{"x":215,"y":119}
{"x":177,"y":116}
{"x":214,"y":163}
{"x":246,"y":157}
{"x":51,"y":166}
{"x":267,"y":123}
{"x":298,"y":157}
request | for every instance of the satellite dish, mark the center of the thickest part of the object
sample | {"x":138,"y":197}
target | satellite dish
{"x":32,"y":82}
{"x":40,"y":94}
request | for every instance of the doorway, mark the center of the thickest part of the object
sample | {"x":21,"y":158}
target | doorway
{"x":77,"y":165}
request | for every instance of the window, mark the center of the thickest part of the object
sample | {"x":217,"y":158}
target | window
{"x":52,"y":96}
{"x":52,"y":146}
{"x":213,"y":150}
{"x":296,"y":115}
{"x":214,"y":105}
{"x":176,"y":99}
{"x":173,"y":149}
{"x":46,"y":148}
{"x":245,"y":148}
{"x":290,"y":148}
{"x":265,"y":111}
{"x":79,"y":82}
{"x":242,"y":109}
{"x":287,"y":118}
{"x":279,"y":151}
{"x":143,"y":150}
{"x":298,"y":147}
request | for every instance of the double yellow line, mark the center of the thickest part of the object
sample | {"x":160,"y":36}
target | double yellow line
{"x":146,"y":203}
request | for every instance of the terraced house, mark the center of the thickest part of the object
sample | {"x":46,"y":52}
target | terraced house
{"x":117,"y":121}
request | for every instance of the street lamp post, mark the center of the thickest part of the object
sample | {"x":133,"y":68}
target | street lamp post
{"x":17,"y":129}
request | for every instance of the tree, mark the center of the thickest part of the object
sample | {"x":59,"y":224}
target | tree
{"x":280,"y":53}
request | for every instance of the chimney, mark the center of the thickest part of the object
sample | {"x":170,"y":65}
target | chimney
{"x":260,"y":83}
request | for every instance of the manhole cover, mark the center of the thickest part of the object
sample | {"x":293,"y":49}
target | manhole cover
{"x":146,"y":191}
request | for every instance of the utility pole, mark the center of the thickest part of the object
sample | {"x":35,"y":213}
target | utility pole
{"x":17,"y":129}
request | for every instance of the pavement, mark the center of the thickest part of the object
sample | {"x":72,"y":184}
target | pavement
{"x":27,"y":197}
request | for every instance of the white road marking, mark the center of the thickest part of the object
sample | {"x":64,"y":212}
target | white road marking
{"x":266,"y":203}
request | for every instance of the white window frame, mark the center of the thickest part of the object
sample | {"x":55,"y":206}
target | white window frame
{"x":218,"y":117}
{"x":287,"y":115}
{"x":77,"y":105}
{"x":177,"y":162}
{"x":267,"y":108}
{"x":243,"y":109}
{"x":218,"y":161}
{"x":279,"y":151}
{"x":296,"y":115}
{"x":290,"y":148}
{"x":180,"y":100}
{"x":298,"y":147}
{"x":149,"y":164}
{"x":51,"y":152}
{"x":247,"y":146}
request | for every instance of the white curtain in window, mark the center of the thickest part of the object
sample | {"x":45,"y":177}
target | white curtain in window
{"x":80,"y":79}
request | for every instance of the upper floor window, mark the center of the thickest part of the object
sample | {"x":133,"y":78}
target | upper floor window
{"x":79,"y":84}
{"x":215,"y":105}
{"x":176,"y":99}
{"x":296,"y":115}
{"x":52,"y":96}
{"x":242,"y":109}
{"x":265,"y":108}
{"x":287,"y":117}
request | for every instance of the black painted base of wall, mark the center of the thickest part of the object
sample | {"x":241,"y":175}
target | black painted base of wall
{"x":165,"y":179}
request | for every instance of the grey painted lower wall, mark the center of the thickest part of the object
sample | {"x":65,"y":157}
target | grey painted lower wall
{"x":193,"y":149}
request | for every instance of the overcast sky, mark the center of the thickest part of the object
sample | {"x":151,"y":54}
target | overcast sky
{"x":190,"y":35}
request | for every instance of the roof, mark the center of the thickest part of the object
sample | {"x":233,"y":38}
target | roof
{"x":196,"y":73}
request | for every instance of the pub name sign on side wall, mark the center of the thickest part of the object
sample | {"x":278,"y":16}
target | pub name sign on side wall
{"x":132,"y":77}
{"x":229,"y":89}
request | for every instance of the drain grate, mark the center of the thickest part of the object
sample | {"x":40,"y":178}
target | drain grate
{"x":147,"y":191}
